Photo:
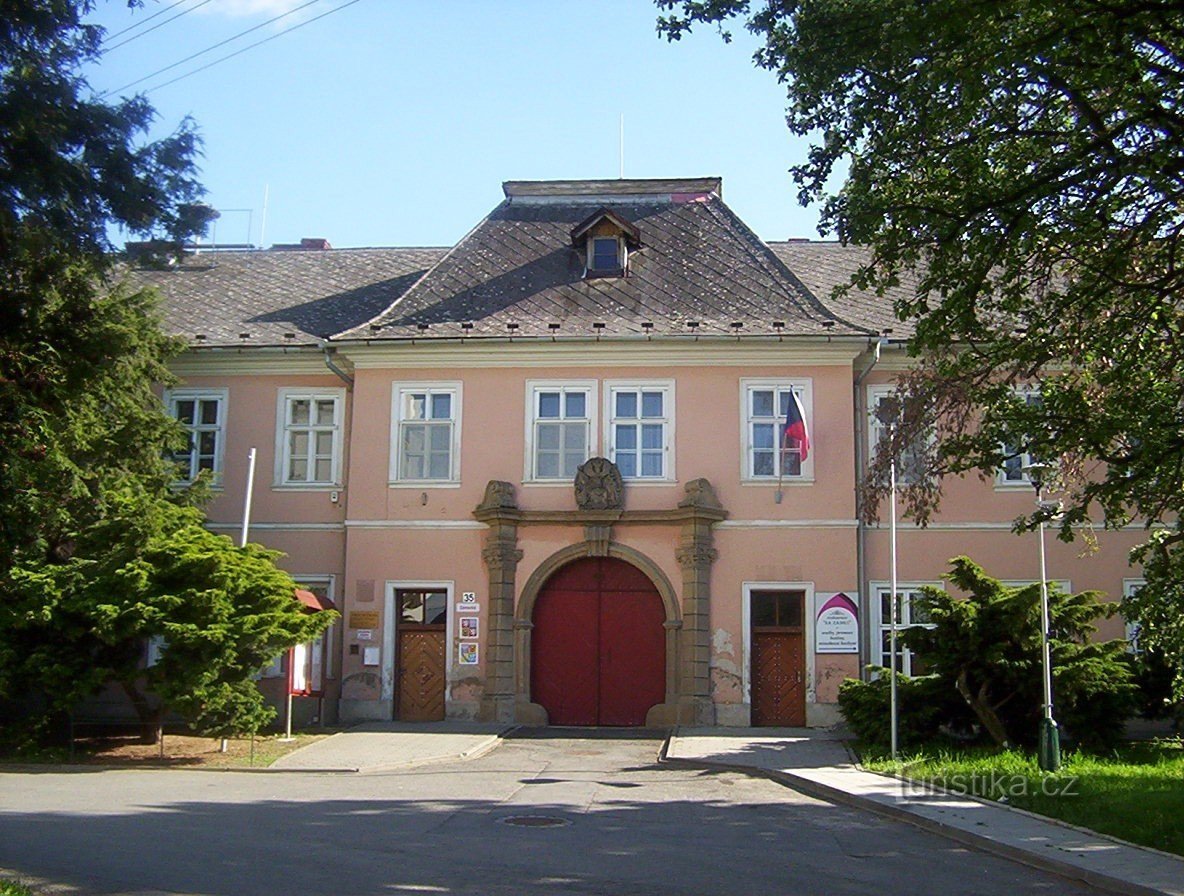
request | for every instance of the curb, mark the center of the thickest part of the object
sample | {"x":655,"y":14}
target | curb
{"x":475,"y":752}
{"x":967,"y":838}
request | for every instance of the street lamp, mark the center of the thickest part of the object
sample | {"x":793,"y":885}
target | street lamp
{"x":1049,"y":755}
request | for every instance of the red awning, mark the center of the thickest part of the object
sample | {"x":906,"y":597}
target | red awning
{"x":313,"y":603}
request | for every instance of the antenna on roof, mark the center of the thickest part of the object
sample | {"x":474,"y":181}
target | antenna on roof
{"x":263,"y":223}
{"x":622,"y":148}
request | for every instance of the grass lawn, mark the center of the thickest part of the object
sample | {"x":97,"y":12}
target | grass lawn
{"x":1136,"y":793}
{"x":12,"y":888}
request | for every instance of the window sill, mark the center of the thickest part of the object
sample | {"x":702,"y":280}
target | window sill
{"x":1012,"y":486}
{"x":307,"y":487}
{"x":422,"y":484}
{"x":794,"y":481}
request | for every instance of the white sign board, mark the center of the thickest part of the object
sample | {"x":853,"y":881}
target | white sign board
{"x":836,"y":624}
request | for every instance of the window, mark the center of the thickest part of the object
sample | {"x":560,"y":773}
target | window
{"x":605,"y":254}
{"x":1013,"y":470}
{"x":202,"y":414}
{"x":560,"y":429}
{"x":910,"y":466}
{"x":310,"y":437}
{"x":422,"y":607}
{"x":1130,"y":587}
{"x":776,"y":609}
{"x":312,"y":662}
{"x":426,"y":440}
{"x":908,"y":615}
{"x":766,"y":404}
{"x":639,"y":431}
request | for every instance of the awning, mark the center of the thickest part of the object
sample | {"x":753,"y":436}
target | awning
{"x":313,"y":603}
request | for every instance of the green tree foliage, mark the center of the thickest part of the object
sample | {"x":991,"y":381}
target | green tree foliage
{"x":77,"y":353}
{"x":151,"y":571}
{"x":97,"y":553}
{"x":987,"y":646}
{"x":1024,"y":158}
{"x":984,"y":652}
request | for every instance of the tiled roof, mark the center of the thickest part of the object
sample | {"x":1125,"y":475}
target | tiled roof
{"x":700,"y":270}
{"x":268,"y":295}
{"x":823,"y":266}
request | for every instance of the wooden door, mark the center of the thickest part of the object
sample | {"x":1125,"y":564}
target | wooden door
{"x":598,"y":647}
{"x":422,"y":652}
{"x":778,"y":669}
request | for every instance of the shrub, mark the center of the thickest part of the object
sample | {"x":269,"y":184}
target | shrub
{"x":926,"y":710}
{"x":986,"y":647}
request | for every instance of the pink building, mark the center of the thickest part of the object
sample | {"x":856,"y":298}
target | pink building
{"x":540,"y":474}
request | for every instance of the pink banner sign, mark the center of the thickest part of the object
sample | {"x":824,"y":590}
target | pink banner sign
{"x":836,"y":626}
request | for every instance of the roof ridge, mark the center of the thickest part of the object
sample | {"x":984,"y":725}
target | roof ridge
{"x":411,"y":289}
{"x":762,"y":253}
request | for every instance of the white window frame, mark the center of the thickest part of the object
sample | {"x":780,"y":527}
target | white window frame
{"x":881,"y":626}
{"x":804,"y":387}
{"x":808,"y":613}
{"x":282,"y":447}
{"x":1025,"y":460}
{"x":221,"y":396}
{"x":400,"y":389}
{"x":591,"y":403}
{"x":666,"y":388}
{"x":875,"y":431}
{"x":1131,"y":627}
{"x":1066,"y":585}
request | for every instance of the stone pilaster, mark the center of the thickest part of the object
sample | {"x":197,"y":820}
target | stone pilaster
{"x":695,"y":555}
{"x":501,"y":555}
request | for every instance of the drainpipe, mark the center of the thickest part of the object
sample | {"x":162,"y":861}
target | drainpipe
{"x":865,"y":601}
{"x":345,"y":377}
{"x":337,"y":645}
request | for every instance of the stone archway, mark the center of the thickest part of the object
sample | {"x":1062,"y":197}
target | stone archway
{"x":527,"y":710}
{"x":598,"y":645}
{"x":507,"y":696}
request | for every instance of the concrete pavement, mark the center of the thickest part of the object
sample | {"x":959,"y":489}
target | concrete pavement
{"x":550,"y":812}
{"x":818,"y":763}
{"x":814,"y":761}
{"x":383,"y":746}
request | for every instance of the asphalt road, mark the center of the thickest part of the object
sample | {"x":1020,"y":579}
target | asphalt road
{"x":562,"y":812}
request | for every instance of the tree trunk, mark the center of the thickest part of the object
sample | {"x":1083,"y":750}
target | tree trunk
{"x":981,"y":707}
{"x":150,"y":716}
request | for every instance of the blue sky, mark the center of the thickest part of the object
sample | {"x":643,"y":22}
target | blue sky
{"x":394,"y":123}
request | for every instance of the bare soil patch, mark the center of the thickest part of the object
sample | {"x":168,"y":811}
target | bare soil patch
{"x":175,"y":751}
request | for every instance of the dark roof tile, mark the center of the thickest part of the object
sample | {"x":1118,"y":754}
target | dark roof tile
{"x":267,"y":294}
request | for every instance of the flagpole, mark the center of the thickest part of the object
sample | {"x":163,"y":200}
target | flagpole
{"x":780,"y":467}
{"x":247,"y":499}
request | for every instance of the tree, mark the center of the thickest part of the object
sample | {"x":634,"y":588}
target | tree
{"x":987,"y":646}
{"x":984,"y":651}
{"x":78,"y":355}
{"x":217,"y":612}
{"x":1024,"y":159}
{"x":85,"y":486}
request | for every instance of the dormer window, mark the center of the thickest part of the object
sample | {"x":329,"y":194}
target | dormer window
{"x":605,"y":254}
{"x":605,"y":240}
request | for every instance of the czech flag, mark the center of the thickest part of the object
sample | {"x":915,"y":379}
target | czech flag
{"x":796,"y":435}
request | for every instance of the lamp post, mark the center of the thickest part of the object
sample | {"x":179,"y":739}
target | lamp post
{"x":893,"y":605}
{"x":1049,"y":755}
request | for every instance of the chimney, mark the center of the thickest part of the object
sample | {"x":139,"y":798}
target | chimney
{"x":308,"y":244}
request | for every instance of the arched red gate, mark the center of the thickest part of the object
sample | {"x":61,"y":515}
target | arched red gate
{"x":598,"y":647}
